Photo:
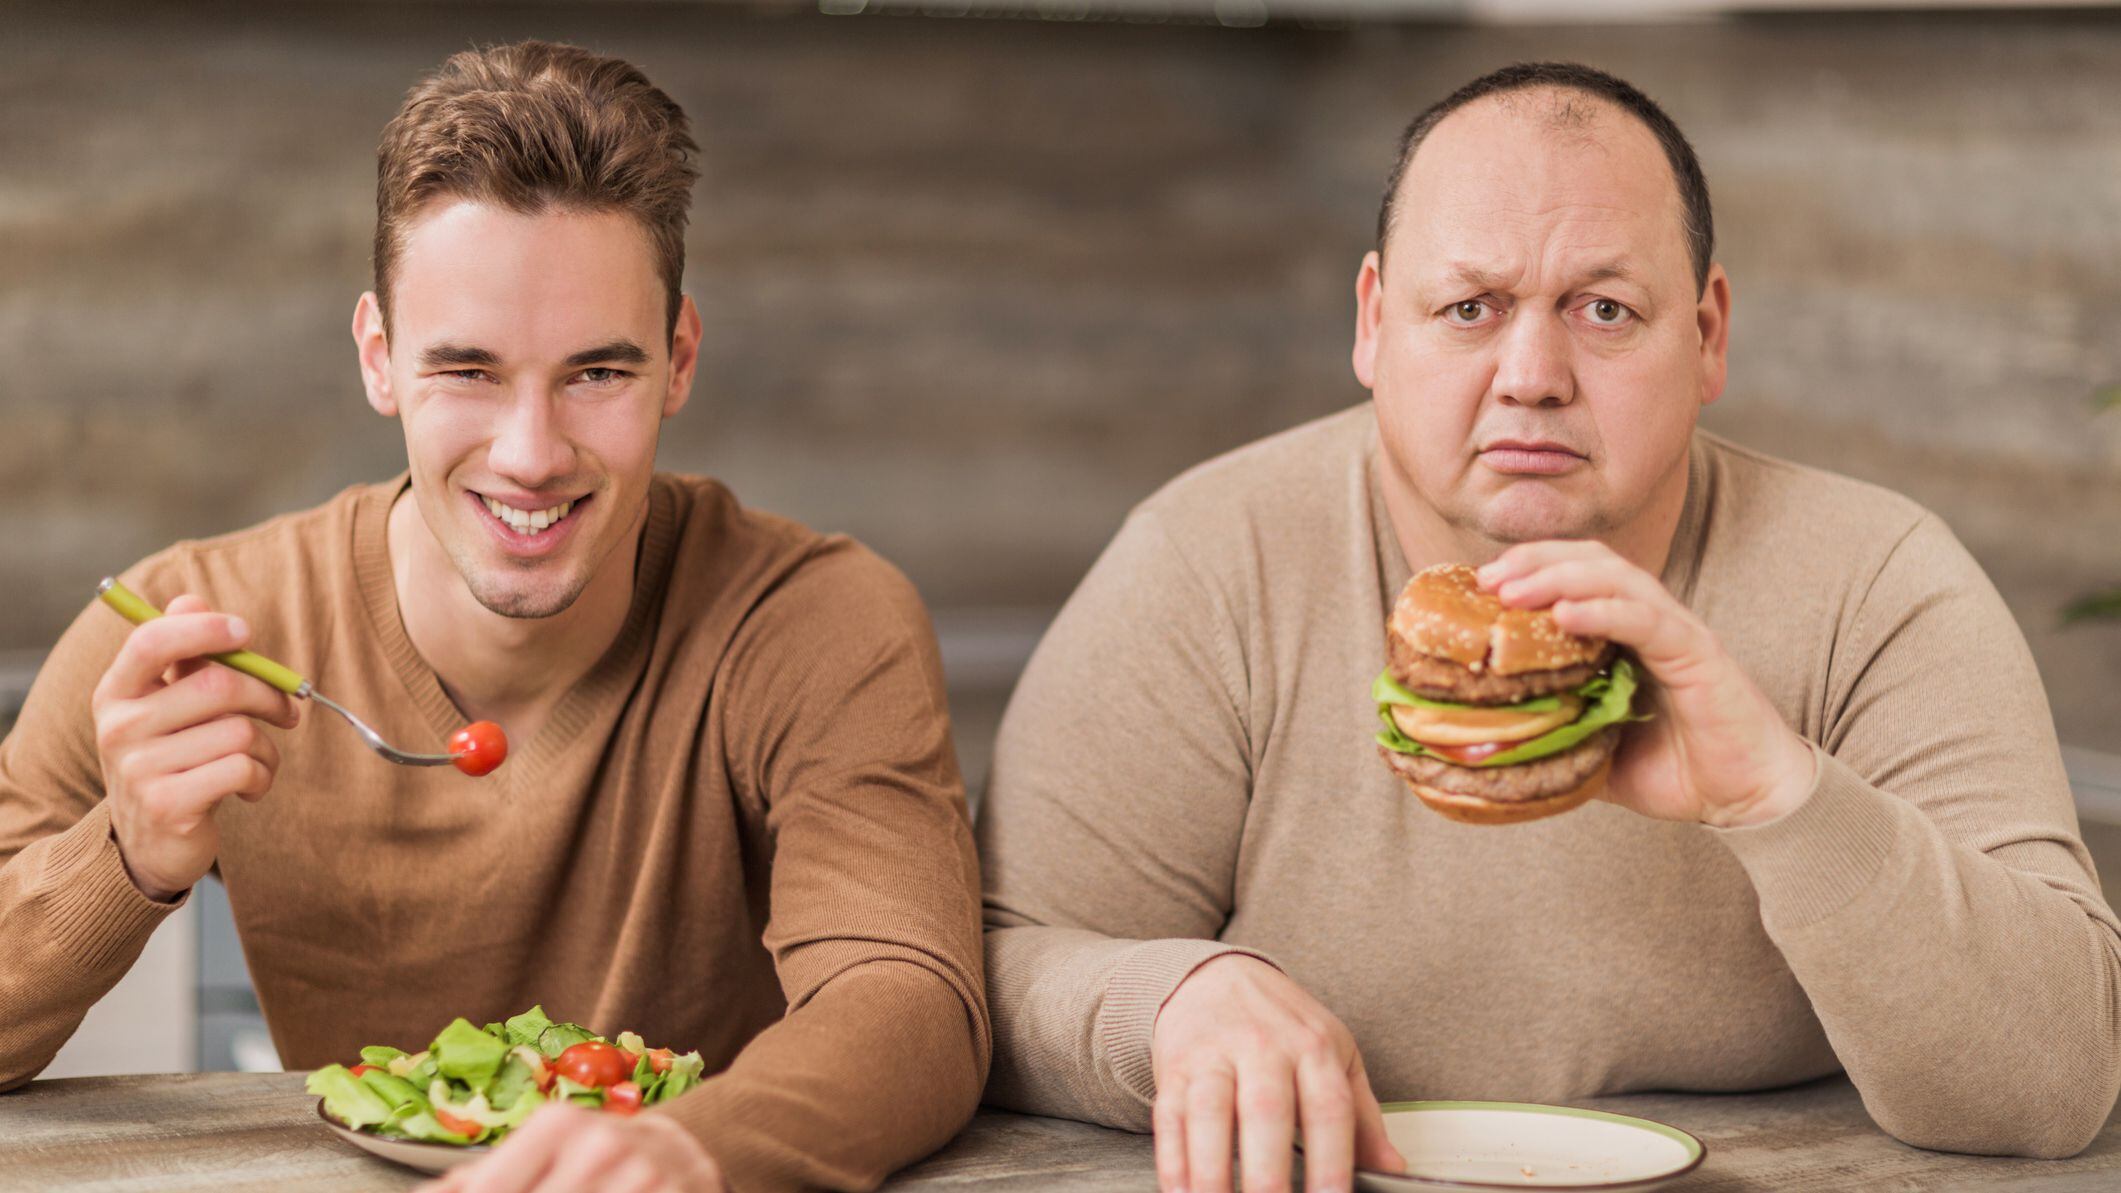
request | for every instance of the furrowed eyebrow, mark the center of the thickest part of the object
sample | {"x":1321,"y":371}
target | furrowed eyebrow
{"x":624,"y":352}
{"x":1483,"y":279}
{"x":456,"y":356}
{"x":1473,"y":276}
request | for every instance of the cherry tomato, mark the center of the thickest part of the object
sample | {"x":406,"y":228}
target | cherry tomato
{"x":478,"y":748}
{"x":357,"y":1070}
{"x":593,"y":1063}
{"x":659,"y":1059}
{"x":623,"y":1098}
{"x":450,"y":1122}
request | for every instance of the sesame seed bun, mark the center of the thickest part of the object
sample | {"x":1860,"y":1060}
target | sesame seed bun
{"x":1443,"y":614}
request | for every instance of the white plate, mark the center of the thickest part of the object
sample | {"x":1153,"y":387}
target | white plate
{"x":412,"y":1153}
{"x":1522,"y":1145}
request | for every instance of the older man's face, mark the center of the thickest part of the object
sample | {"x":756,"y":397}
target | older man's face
{"x":1534,"y":338}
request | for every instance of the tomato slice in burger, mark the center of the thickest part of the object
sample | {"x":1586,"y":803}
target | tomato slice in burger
{"x":1466,"y":755}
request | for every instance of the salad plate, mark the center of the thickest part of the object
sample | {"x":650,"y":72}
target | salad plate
{"x":471,"y":1086}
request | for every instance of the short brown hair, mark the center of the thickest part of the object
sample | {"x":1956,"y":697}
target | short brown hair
{"x":532,"y":127}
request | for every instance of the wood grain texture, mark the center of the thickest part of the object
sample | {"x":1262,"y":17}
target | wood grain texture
{"x":242,"y":1131}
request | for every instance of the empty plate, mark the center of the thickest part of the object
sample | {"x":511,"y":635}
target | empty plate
{"x":1522,"y":1145}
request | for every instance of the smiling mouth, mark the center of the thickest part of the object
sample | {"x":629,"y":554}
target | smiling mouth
{"x":529,"y":521}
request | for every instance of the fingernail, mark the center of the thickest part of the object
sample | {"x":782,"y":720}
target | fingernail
{"x":239,"y":627}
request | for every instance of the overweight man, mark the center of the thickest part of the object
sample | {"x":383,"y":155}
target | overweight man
{"x":1843,"y":841}
{"x":731,"y":819}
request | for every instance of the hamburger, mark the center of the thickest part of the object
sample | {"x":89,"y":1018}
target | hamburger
{"x":1495,"y":715}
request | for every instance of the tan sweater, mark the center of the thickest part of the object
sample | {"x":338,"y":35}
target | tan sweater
{"x":743,"y":832}
{"x":1186,"y":767}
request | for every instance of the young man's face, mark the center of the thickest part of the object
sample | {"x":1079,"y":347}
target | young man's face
{"x":1538,"y":290}
{"x":528,"y":359}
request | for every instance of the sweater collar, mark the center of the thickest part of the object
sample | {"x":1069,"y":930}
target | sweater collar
{"x":608,"y":679}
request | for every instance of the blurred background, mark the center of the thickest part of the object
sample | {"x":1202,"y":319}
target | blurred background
{"x":979,"y":276}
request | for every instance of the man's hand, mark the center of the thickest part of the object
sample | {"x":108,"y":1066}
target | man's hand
{"x":1716,"y":751}
{"x":566,"y":1148}
{"x":1240,"y":1045}
{"x":177,"y":734}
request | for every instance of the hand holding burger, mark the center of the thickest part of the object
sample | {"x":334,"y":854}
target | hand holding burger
{"x":1714,"y":749}
{"x":1495,"y":715}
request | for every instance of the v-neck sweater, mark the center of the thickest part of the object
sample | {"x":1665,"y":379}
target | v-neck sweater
{"x":742,"y":831}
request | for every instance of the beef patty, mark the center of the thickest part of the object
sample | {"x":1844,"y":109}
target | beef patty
{"x":1536,"y":779}
{"x":1442,"y":679}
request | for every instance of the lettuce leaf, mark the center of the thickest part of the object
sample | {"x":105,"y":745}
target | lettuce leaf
{"x":560,"y":1037}
{"x":1606,"y":699}
{"x":514,"y":1080}
{"x":347,"y":1098}
{"x":422,"y":1126}
{"x":380,"y":1055}
{"x":526,"y":1027}
{"x":468,"y":1054}
{"x":396,"y":1091}
{"x":683,"y":1074}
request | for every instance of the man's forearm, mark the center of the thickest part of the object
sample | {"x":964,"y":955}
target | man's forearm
{"x":1074,"y":1014}
{"x":881,"y":1067}
{"x":73,"y":923}
{"x":1972,"y":1003}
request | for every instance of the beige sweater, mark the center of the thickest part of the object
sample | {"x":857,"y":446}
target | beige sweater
{"x":1186,"y":767}
{"x":743,"y":832}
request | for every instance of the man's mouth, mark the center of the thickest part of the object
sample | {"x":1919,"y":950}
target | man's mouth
{"x":1530,"y":457}
{"x":528,"y":521}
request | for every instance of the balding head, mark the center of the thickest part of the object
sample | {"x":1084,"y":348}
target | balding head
{"x":1570,"y":97}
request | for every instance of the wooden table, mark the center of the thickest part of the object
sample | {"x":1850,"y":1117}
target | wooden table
{"x":239,"y":1131}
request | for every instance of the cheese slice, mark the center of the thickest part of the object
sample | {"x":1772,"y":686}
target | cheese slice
{"x":1473,"y":726}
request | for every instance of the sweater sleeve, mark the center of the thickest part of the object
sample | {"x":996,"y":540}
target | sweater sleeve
{"x":1932,"y":895}
{"x":72,"y":919}
{"x":1110,"y":830}
{"x":836,"y":723}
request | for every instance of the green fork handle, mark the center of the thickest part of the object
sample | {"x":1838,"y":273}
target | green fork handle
{"x":136,"y":609}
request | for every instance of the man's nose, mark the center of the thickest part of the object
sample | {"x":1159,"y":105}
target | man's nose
{"x":530,"y":447}
{"x":1533,"y":366}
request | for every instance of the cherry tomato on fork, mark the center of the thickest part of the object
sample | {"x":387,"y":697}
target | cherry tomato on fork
{"x":478,"y":748}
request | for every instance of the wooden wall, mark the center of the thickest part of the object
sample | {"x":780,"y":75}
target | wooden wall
{"x":973,"y":287}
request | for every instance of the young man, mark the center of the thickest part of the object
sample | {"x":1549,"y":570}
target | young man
{"x":731,"y":820}
{"x":1845,"y":841}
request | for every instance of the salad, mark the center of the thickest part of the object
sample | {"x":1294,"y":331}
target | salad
{"x":474,"y":1085}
